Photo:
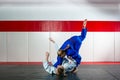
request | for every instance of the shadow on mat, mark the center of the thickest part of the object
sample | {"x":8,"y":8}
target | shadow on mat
{"x":69,"y":76}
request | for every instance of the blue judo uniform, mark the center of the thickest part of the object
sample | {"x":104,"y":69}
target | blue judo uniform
{"x":73,"y":51}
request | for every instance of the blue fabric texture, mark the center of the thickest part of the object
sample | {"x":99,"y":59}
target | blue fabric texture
{"x":73,"y":51}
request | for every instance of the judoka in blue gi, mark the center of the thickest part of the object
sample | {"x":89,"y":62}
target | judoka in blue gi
{"x":71,"y":47}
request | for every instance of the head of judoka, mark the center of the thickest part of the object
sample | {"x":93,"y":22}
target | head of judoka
{"x":61,"y":53}
{"x":60,"y":70}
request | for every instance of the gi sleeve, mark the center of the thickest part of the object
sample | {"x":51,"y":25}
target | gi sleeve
{"x":56,"y":47}
{"x":48,"y":68}
{"x":59,"y":61}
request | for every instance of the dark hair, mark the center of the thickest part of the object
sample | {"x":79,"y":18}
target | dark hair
{"x":61,"y":52}
{"x":61,"y":71}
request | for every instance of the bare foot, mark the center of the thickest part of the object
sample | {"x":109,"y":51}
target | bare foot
{"x":85,"y":23}
{"x":75,"y":71}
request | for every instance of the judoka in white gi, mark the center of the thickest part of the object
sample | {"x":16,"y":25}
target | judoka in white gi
{"x":68,"y":65}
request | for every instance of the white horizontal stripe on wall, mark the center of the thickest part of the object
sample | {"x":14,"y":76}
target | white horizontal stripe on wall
{"x":3,"y":47}
{"x":17,"y":46}
{"x":104,"y":46}
{"x":31,"y":46}
{"x":117,"y":46}
{"x":38,"y":45}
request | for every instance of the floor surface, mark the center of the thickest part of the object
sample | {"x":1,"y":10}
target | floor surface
{"x":36,"y":72}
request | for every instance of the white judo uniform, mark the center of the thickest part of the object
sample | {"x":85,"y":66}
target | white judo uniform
{"x":68,"y":64}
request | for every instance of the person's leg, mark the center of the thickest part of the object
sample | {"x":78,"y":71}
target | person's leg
{"x":65,"y":44}
{"x":76,"y":43}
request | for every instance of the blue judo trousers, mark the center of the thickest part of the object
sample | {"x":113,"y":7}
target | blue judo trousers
{"x":73,"y":51}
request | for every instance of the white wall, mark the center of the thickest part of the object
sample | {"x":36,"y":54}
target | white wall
{"x":104,"y":46}
{"x":3,"y":47}
{"x":17,"y":46}
{"x":31,"y":46}
{"x":38,"y":44}
{"x":117,"y":46}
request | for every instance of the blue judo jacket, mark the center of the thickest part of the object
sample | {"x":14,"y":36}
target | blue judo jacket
{"x":73,"y":51}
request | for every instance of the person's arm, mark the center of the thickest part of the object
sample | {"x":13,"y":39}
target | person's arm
{"x":48,"y":68}
{"x":59,"y":61}
{"x":56,"y":45}
{"x":84,"y":30}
